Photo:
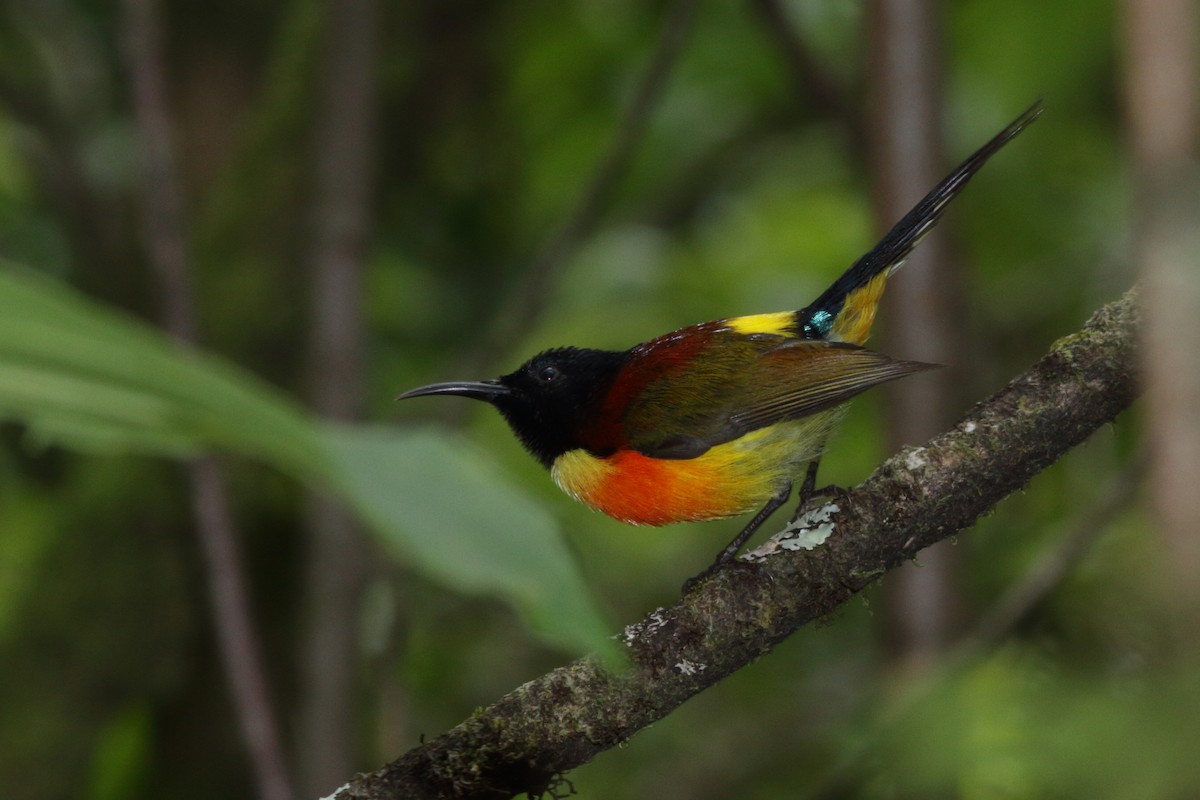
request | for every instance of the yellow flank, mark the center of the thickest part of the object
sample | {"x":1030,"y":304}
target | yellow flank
{"x":776,"y":323}
{"x":853,"y":323}
{"x":579,"y":473}
{"x":731,"y":478}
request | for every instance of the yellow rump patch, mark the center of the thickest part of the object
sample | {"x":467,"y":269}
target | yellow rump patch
{"x":776,"y":323}
{"x":853,"y":323}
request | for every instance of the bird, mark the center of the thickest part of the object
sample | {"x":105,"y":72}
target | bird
{"x":720,"y":418}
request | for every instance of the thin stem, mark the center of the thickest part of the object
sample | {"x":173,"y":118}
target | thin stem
{"x":337,"y":553}
{"x":1161,"y":87}
{"x":163,"y":224}
{"x":922,"y":609}
{"x":810,"y":79}
{"x":534,"y":288}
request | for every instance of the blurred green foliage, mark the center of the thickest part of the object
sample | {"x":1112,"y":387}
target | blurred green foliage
{"x":492,"y":117}
{"x":84,"y":378}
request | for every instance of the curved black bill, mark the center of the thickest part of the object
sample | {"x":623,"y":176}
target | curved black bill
{"x":479,"y":390}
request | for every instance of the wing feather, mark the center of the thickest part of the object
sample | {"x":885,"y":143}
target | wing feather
{"x":683,"y":413}
{"x":826,"y":377}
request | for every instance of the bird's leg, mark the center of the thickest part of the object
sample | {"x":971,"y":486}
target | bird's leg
{"x":808,"y":489}
{"x":810,"y":480}
{"x":730,"y":552}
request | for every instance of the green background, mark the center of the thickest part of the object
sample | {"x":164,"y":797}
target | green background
{"x":741,"y":198}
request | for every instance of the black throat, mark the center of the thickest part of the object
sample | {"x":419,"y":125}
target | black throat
{"x":555,"y":397}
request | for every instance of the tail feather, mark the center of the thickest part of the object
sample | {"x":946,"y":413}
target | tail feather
{"x":848,"y":305}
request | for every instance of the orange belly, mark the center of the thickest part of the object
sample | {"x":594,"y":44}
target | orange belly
{"x":732,"y":478}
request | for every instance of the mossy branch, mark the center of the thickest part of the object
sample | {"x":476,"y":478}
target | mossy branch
{"x":529,"y":738}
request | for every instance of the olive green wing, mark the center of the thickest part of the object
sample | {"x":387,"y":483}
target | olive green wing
{"x":757,"y":383}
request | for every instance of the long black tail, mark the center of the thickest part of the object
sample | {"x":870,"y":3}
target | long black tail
{"x":818,"y":318}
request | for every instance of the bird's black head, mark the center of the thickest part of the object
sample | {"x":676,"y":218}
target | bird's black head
{"x":548,"y":401}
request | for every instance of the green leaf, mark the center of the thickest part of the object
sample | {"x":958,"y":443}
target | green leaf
{"x":441,"y":505}
{"x":69,"y":367}
{"x":92,"y":379}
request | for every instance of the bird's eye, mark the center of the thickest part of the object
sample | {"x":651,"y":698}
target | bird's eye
{"x":549,"y":374}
